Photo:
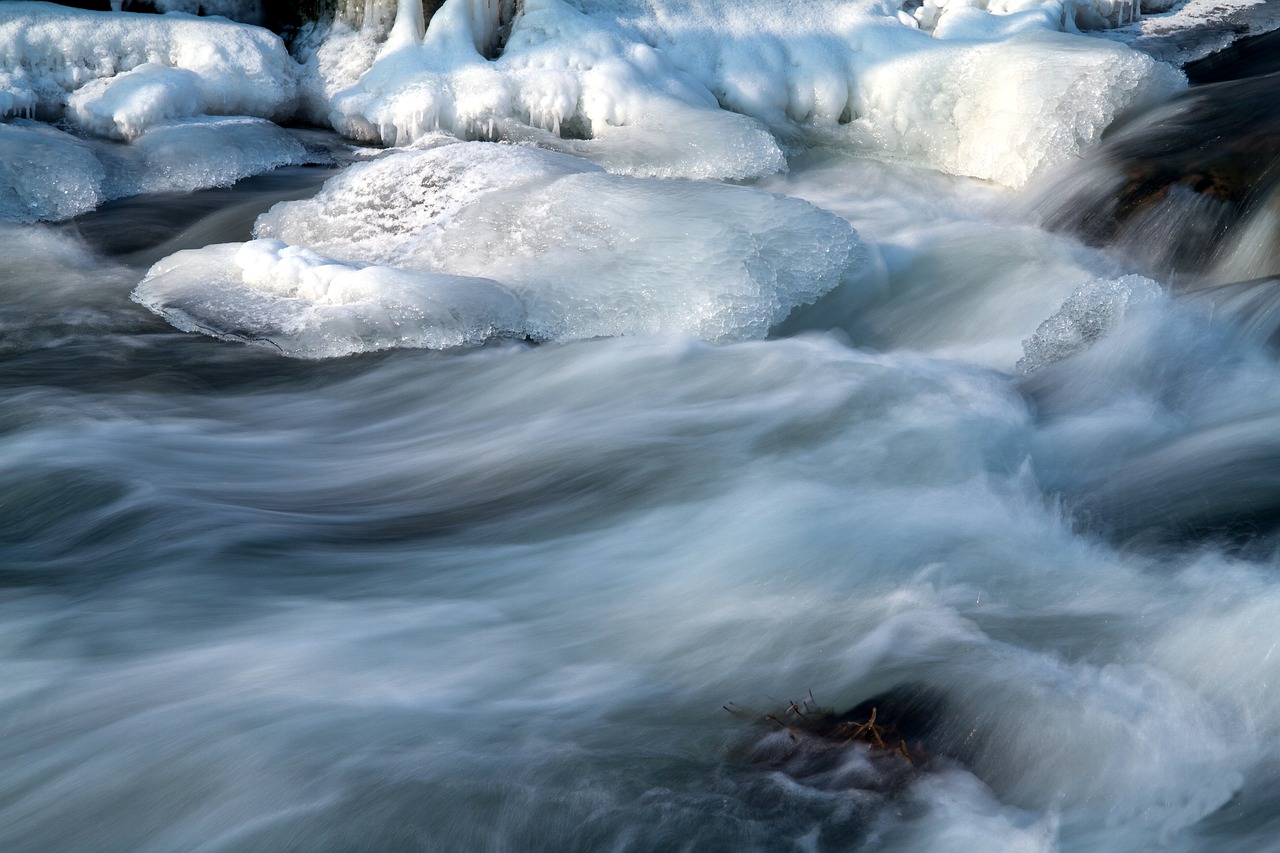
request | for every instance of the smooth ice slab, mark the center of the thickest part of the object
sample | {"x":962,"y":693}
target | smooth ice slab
{"x":590,"y":253}
{"x":309,"y":306}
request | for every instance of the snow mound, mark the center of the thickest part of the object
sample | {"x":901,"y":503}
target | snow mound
{"x":48,"y":53}
{"x":309,"y":306}
{"x":590,"y":253}
{"x":124,"y":106}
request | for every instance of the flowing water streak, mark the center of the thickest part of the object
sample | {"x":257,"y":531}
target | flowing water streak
{"x":496,"y":597}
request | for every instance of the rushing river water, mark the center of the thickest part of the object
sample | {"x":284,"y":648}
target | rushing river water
{"x":998,"y":484}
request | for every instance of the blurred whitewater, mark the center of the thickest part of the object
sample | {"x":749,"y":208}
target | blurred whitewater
{"x":672,"y":384}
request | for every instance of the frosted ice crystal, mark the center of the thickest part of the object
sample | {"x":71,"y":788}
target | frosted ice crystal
{"x":1087,"y":315}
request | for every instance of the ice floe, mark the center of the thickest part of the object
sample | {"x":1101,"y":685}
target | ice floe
{"x":586,"y":253}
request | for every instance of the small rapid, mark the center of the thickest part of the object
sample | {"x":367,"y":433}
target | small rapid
{"x":479,"y":494}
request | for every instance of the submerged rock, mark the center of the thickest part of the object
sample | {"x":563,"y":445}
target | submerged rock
{"x":1173,"y":188}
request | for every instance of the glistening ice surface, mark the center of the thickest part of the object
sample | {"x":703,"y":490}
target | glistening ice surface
{"x":691,"y":368}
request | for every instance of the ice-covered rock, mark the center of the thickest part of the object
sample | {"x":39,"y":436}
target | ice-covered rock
{"x":403,"y":251}
{"x":199,"y":153}
{"x":687,"y":87}
{"x":46,"y":174}
{"x":590,"y":253}
{"x":979,"y":18}
{"x":563,"y":79}
{"x":48,"y":52}
{"x":49,"y":175}
{"x":309,"y":306}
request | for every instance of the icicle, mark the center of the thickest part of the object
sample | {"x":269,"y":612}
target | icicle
{"x":409,"y":26}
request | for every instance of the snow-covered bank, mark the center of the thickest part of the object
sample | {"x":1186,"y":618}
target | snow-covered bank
{"x":677,"y":88}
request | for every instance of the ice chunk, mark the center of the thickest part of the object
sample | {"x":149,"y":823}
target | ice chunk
{"x":1086,"y":315}
{"x":200,"y":153}
{"x":48,"y":52}
{"x":590,"y":253}
{"x":309,"y":306}
{"x":124,"y":106}
{"x":46,"y":174}
{"x":1005,"y":112}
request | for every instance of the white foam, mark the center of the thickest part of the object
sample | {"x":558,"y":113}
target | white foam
{"x":591,"y":254}
{"x":309,"y":306}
